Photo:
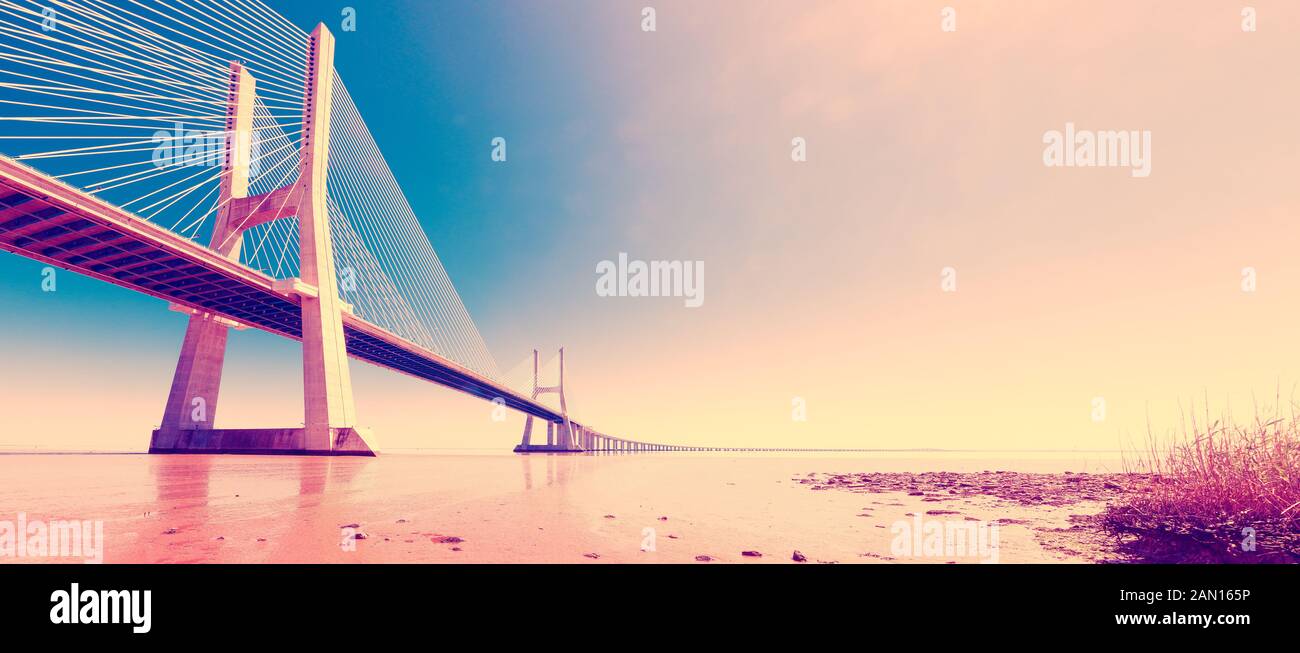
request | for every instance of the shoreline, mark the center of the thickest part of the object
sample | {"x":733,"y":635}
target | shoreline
{"x":1103,"y":528}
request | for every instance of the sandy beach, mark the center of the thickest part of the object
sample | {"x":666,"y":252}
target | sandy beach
{"x":498,"y":508}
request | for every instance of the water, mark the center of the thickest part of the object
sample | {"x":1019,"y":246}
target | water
{"x":506,"y":507}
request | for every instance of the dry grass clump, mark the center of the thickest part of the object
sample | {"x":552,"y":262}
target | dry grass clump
{"x":1218,"y":491}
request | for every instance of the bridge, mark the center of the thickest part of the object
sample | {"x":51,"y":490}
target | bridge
{"x":303,"y":231}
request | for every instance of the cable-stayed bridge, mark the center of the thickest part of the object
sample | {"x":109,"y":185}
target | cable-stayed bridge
{"x":209,"y":154}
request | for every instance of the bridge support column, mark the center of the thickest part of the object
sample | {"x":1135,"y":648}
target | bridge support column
{"x":192,"y":403}
{"x":329,"y":424}
{"x":327,"y":382}
{"x":561,"y":437}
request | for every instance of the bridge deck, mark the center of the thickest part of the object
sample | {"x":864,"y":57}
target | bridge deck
{"x":49,"y":221}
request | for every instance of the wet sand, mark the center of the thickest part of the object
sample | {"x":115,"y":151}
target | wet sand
{"x":587,"y":509}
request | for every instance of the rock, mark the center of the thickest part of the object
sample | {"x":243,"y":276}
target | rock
{"x":446,"y":539}
{"x":350,"y":526}
{"x":456,"y":548}
{"x":663,"y":519}
{"x":359,"y":536}
{"x":704,"y":558}
{"x":798,"y":557}
{"x":593,"y":556}
{"x":170,"y":531}
{"x":609,"y":516}
{"x":751,"y":554}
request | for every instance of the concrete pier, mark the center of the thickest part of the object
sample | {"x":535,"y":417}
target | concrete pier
{"x":342,"y":442}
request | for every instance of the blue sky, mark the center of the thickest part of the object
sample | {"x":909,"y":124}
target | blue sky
{"x":436,"y":82}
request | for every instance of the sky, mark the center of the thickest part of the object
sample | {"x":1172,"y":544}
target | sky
{"x":1089,"y":304}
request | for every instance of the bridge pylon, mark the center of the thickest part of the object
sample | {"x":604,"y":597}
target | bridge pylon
{"x":561,"y":437}
{"x":329,"y":424}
